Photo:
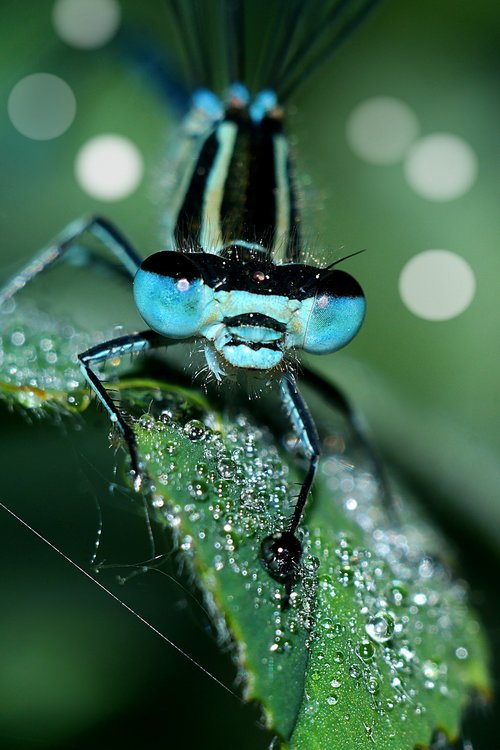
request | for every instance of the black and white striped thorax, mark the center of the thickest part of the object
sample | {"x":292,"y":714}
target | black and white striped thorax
{"x":241,"y":189}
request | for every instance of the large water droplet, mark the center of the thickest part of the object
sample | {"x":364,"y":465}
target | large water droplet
{"x":226,"y":468}
{"x":380,"y":627}
{"x":365,"y":650}
{"x":194,"y":430}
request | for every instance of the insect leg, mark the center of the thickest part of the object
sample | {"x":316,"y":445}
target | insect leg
{"x":281,"y":552}
{"x":339,"y":400}
{"x":305,"y":429}
{"x":101,"y":228}
{"x":137,"y":342}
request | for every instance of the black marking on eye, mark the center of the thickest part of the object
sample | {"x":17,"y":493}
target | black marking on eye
{"x":238,"y":267}
{"x":173,"y":265}
{"x":339,"y":284}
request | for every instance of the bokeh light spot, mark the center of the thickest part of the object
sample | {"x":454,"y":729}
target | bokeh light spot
{"x":437,"y":285}
{"x":41,"y":106}
{"x":86,"y":24}
{"x":380,"y":130}
{"x":109,"y":167}
{"x":441,"y":167}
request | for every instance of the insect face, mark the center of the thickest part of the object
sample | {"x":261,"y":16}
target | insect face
{"x":250,"y":311}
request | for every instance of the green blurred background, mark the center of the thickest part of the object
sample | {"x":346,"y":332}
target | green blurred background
{"x":75,"y":670}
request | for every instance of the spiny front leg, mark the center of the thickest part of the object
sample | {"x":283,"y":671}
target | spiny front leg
{"x":100,"y":228}
{"x":281,"y":552}
{"x":137,"y":342}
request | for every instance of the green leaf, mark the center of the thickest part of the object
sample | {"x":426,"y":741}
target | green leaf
{"x":378,"y":647}
{"x":395,"y":648}
{"x":38,"y":364}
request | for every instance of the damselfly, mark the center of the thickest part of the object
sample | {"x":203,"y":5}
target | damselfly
{"x":232,"y":275}
{"x":232,"y":279}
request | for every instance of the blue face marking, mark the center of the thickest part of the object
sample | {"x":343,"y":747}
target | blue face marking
{"x":250,"y":330}
{"x":193,"y":295}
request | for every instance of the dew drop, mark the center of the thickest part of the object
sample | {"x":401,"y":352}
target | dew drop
{"x":147,"y":422}
{"x":310,"y":564}
{"x":346,"y":575}
{"x":201,"y":469}
{"x":354,"y":672}
{"x":365,"y":650}
{"x":226,"y":468}
{"x":165,"y":417}
{"x":170,"y":448}
{"x":338,"y":629}
{"x":194,"y":430}
{"x":380,"y":627}
{"x":372,"y":685}
{"x":325,"y":582}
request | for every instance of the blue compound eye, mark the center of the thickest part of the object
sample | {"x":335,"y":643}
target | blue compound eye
{"x":169,"y":292}
{"x":335,"y":313}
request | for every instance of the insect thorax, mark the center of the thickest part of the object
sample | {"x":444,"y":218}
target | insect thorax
{"x":241,"y":187}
